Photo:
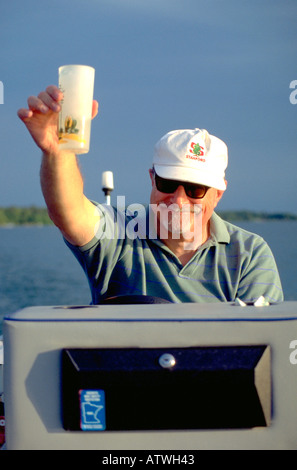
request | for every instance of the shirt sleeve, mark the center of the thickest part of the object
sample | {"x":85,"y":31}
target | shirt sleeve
{"x":99,"y":257}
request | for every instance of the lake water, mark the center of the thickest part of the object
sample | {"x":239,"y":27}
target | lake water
{"x":36,"y":267}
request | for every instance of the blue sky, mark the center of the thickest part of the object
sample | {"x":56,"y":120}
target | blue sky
{"x":222,"y":65}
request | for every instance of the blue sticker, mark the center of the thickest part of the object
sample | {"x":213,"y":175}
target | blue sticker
{"x":92,"y":410}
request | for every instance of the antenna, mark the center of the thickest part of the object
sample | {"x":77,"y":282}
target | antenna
{"x":107,"y":185}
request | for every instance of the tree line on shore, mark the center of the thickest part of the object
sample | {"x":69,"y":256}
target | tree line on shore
{"x":24,"y":216}
{"x":39,"y":216}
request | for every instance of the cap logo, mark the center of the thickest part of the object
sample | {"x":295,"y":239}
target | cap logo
{"x":197,"y":151}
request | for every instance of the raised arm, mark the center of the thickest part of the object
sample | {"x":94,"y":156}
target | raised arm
{"x":60,"y":177}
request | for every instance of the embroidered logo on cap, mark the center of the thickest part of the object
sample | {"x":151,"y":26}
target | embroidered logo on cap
{"x":197,"y":151}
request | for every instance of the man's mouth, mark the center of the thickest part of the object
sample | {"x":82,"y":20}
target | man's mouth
{"x":179,"y":221}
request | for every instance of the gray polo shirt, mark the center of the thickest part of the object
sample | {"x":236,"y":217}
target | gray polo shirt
{"x":125,"y":258}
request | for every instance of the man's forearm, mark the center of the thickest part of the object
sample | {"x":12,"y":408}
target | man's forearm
{"x":62,"y":187}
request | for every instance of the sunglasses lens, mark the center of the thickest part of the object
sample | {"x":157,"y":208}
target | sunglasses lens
{"x":166,"y":186}
{"x":195,"y":191}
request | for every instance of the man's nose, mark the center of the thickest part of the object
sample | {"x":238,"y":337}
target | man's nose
{"x":179,"y":197}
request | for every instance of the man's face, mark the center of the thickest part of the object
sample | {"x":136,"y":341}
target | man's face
{"x":179,"y":199}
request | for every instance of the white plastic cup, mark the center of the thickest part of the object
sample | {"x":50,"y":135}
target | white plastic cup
{"x":77,"y":84}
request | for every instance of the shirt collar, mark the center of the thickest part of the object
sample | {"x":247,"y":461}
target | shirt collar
{"x":218,"y":229}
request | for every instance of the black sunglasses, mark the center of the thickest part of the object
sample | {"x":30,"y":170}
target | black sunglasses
{"x":195,"y":191}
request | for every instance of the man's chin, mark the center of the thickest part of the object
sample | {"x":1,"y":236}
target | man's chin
{"x":176,"y":233}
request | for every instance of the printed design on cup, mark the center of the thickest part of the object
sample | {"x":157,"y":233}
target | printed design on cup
{"x":68,"y":129}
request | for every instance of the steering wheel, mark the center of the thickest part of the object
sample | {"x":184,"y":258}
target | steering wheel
{"x":134,"y":299}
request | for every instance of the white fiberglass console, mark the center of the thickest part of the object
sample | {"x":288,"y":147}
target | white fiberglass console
{"x":160,"y":376}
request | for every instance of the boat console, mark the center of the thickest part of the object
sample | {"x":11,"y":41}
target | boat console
{"x":151,"y":376}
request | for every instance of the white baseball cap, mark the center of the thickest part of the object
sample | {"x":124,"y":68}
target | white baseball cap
{"x":192,"y":155}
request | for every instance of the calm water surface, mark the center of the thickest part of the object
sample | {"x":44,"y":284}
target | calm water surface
{"x":36,"y":267}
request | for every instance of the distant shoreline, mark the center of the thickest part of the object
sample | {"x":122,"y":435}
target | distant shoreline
{"x":38,"y":216}
{"x":252,"y":216}
{"x":14,"y":216}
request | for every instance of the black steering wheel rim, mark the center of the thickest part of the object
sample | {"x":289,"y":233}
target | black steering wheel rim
{"x":134,"y":299}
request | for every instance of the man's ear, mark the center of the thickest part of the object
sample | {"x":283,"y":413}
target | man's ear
{"x":151,"y":172}
{"x":220,"y":193}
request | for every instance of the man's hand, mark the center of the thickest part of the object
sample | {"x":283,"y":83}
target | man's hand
{"x":60,"y":177}
{"x":41,"y":118}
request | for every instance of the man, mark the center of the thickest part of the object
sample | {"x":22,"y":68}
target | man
{"x":191,"y":256}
